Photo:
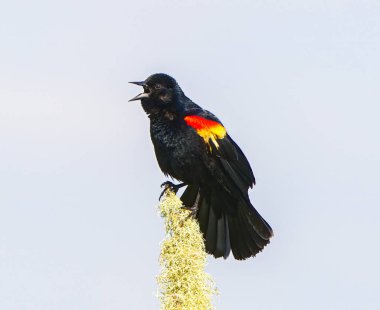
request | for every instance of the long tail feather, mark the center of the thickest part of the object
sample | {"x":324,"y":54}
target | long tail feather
{"x":244,"y":231}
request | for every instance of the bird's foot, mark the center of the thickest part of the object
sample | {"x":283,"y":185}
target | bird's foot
{"x":170,"y":186}
{"x":193,"y":210}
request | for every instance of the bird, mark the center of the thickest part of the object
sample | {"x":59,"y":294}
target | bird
{"x":193,"y":146}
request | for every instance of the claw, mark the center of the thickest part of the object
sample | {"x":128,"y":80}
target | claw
{"x":169,"y":185}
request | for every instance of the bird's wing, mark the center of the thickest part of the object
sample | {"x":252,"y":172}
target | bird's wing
{"x":221,"y":147}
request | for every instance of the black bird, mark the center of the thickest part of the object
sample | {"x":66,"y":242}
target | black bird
{"x":193,"y":146}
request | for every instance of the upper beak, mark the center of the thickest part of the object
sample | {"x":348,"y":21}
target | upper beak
{"x":142,"y":83}
{"x":142,"y":95}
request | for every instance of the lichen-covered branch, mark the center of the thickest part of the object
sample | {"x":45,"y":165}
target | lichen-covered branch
{"x":183,"y":282}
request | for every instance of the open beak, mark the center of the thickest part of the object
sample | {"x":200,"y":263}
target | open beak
{"x":139,"y":96}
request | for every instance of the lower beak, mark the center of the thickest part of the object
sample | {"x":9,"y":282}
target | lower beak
{"x":140,"y":96}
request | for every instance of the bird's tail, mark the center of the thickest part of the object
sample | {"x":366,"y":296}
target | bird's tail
{"x":238,"y":227}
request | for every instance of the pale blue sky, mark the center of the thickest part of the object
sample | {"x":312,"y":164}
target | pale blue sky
{"x":296,"y":83}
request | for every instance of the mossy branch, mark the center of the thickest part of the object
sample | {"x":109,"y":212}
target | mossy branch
{"x":183,"y":282}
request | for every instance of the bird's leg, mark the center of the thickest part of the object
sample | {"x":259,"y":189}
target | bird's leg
{"x":193,"y":209}
{"x":173,"y":187}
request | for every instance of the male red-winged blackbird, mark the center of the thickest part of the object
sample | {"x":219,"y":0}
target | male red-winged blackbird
{"x":192,"y":146}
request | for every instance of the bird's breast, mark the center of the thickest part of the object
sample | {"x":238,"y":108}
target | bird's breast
{"x":178,"y":148}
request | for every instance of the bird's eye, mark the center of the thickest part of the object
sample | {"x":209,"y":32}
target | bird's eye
{"x":157,"y":86}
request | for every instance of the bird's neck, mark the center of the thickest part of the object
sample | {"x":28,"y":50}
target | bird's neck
{"x":158,"y":110}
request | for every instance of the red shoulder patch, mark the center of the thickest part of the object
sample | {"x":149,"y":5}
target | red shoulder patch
{"x":207,"y":129}
{"x":198,"y":122}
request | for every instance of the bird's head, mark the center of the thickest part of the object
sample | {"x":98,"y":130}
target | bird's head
{"x":161,"y":91}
